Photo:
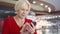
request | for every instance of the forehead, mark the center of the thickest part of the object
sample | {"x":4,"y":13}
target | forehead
{"x":25,"y":6}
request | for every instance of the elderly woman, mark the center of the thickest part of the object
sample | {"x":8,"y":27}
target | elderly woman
{"x":19,"y":24}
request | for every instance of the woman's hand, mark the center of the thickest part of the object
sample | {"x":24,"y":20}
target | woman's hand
{"x":23,"y":30}
{"x":30,"y":28}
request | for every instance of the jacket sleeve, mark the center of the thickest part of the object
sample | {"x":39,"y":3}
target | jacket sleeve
{"x":35,"y":32}
{"x":5,"y":29}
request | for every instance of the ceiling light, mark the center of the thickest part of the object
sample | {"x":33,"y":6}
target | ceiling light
{"x":49,"y":9}
{"x":41,"y":4}
{"x":59,"y":16}
{"x":34,"y":2}
{"x":46,"y":6}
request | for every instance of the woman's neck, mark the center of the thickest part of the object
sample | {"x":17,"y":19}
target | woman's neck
{"x":19,"y":21}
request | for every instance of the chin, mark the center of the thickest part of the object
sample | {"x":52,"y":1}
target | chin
{"x":22,"y":17}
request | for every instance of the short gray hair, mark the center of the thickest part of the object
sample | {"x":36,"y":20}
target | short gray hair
{"x":19,"y":3}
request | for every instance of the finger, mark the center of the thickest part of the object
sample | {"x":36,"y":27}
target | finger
{"x":26,"y":24}
{"x":32,"y":25}
{"x":30,"y":30}
{"x":23,"y":28}
{"x":29,"y":26}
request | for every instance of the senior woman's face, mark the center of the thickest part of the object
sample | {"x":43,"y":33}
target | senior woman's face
{"x":23,"y":11}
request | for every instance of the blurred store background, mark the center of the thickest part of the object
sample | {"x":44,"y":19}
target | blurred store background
{"x":46,"y":13}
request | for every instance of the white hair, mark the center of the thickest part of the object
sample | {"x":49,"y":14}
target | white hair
{"x":19,"y":3}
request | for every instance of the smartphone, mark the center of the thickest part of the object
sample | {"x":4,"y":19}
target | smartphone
{"x":33,"y":23}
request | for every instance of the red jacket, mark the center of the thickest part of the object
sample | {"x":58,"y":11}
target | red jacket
{"x":10,"y":26}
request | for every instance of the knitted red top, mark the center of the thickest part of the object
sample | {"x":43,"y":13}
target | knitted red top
{"x":11,"y":27}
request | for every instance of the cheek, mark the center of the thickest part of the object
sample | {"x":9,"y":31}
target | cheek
{"x":27,"y":13}
{"x":18,"y":13}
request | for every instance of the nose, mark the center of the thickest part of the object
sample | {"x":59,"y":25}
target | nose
{"x":24,"y":11}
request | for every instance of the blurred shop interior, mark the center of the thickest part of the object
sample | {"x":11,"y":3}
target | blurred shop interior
{"x":46,"y":13}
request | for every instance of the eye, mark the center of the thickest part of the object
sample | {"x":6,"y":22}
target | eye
{"x":22,"y":9}
{"x":27,"y":10}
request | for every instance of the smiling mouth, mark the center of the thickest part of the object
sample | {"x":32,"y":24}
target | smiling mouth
{"x":23,"y":15}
